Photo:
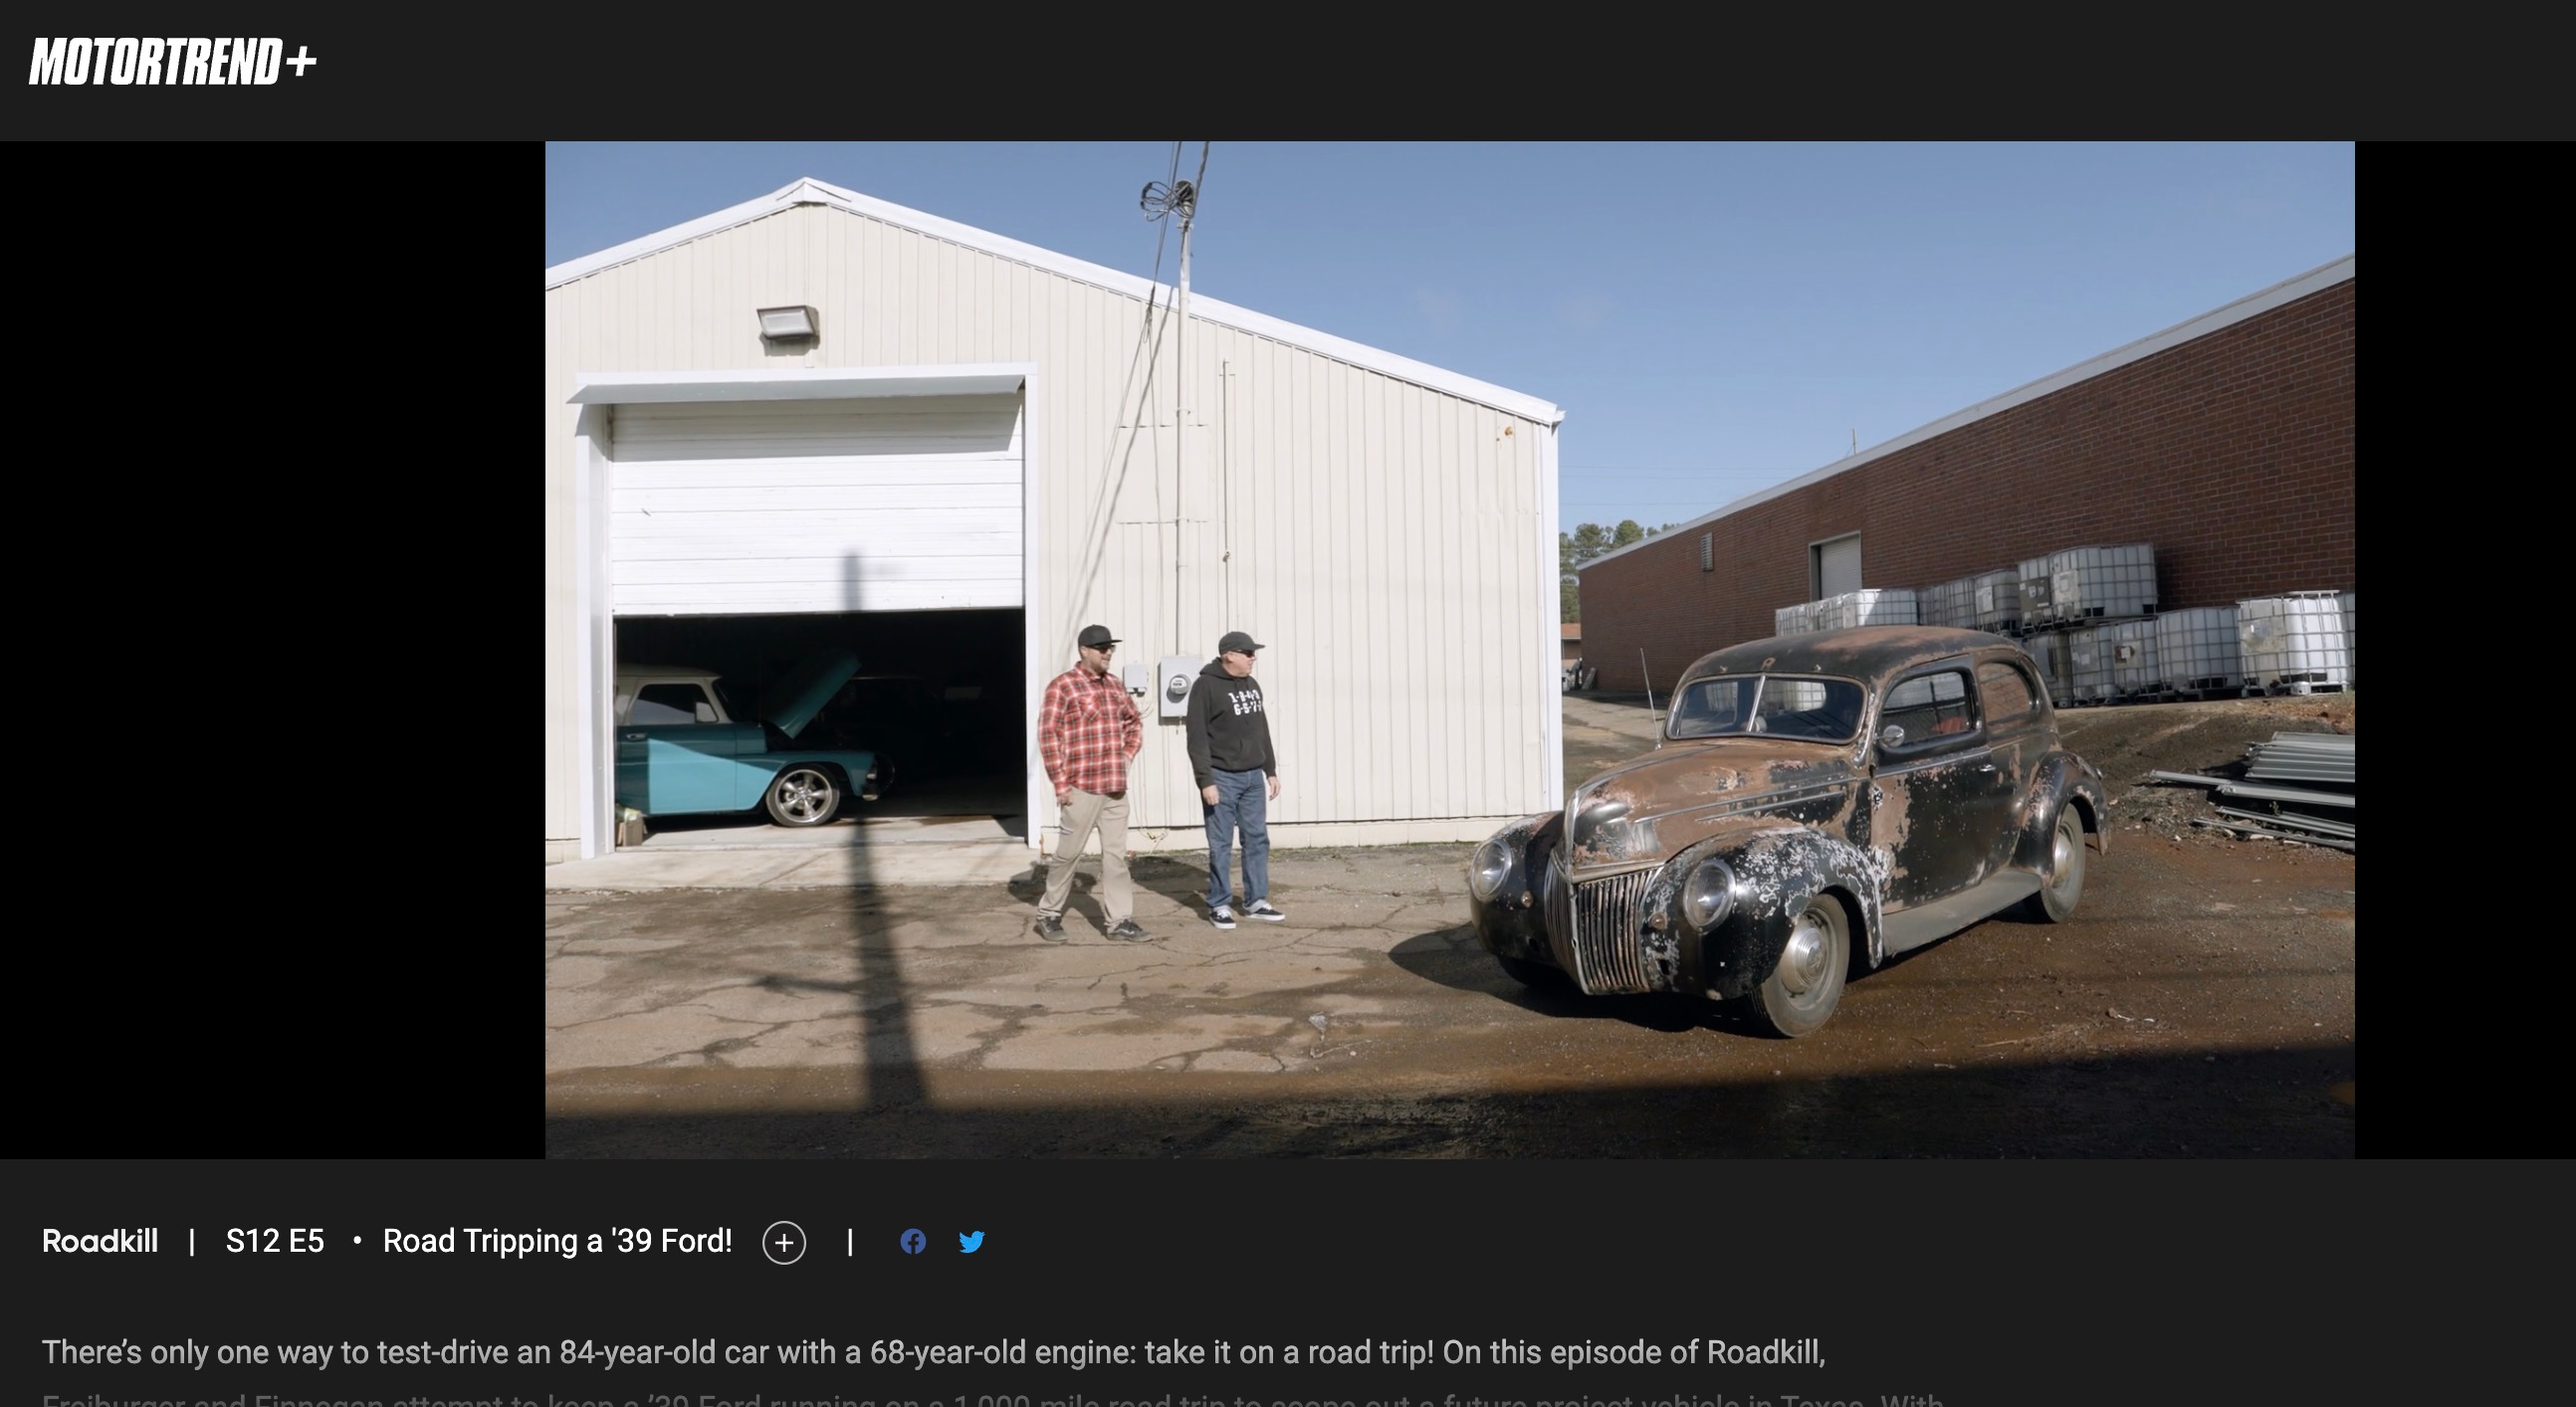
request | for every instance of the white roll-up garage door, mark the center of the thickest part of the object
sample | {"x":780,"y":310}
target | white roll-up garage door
{"x":777,"y":507}
{"x":1837,"y":566}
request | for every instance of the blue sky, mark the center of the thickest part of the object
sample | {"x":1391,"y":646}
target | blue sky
{"x":1713,"y":318}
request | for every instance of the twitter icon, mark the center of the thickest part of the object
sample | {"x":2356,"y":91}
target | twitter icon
{"x":970,"y":1241}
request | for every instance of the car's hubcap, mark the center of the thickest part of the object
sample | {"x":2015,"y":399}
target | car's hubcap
{"x":1802,"y":963}
{"x":801,"y":795}
{"x":2062,"y":859}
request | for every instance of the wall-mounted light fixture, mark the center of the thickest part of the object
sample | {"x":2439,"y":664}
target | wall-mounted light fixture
{"x":788,"y":324}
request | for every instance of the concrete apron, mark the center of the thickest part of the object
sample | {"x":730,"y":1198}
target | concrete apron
{"x":907,"y":850}
{"x":778,"y":996}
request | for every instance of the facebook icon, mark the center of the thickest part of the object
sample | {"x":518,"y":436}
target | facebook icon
{"x":913,"y":1241}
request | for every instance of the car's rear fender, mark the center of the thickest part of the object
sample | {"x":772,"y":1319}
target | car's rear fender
{"x":2061,"y":779}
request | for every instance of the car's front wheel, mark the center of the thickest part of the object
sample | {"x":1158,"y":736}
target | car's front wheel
{"x":2062,"y":883}
{"x":1807,"y":984}
{"x":803,"y":795}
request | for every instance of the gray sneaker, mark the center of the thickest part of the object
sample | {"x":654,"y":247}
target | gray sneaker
{"x":1050,"y":928}
{"x":1221,"y":916}
{"x":1126,"y":931}
{"x":1260,"y":909}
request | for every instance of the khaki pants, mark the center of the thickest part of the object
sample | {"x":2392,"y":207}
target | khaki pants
{"x":1083,"y":811}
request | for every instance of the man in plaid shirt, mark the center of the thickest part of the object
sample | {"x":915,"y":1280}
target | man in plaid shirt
{"x":1088,"y":731}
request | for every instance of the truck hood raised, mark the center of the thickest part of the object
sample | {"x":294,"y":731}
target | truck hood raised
{"x":803,"y":691}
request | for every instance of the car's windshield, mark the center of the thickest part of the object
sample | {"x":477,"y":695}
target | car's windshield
{"x":1778,"y":706}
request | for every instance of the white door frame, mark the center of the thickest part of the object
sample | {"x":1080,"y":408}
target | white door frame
{"x":594,"y":624}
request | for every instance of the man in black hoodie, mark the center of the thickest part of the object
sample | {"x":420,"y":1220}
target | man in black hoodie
{"x":1229,"y":732}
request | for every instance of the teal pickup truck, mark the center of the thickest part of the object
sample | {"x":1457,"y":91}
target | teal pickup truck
{"x":682,"y":748}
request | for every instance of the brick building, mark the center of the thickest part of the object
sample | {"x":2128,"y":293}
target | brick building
{"x":2226,"y":442}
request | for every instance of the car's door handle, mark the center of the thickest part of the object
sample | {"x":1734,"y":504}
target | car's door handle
{"x":1987,"y":768}
{"x":634,"y":737}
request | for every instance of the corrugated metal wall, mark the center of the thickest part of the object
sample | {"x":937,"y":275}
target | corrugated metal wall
{"x":1392,"y":544}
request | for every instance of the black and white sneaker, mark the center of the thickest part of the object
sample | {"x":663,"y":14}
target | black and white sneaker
{"x":1260,"y":909}
{"x":1050,"y":928}
{"x":1126,"y":931}
{"x":1221,"y":916}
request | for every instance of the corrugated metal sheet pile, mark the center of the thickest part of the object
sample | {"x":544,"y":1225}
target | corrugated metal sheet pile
{"x":2298,"y":786}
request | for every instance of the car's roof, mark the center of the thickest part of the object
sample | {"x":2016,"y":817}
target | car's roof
{"x":1864,"y":652}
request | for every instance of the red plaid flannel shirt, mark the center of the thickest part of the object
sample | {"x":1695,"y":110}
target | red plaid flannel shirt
{"x":1087,"y":729}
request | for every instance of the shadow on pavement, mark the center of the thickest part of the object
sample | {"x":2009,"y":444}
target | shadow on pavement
{"x":2292,"y":1103}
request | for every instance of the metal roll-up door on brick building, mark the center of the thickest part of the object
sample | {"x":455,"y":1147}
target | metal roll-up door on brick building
{"x":1837,"y":566}
{"x":882,"y":503}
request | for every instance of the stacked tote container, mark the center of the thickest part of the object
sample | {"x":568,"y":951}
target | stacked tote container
{"x":2199,"y":652}
{"x":1874,"y":606}
{"x":2350,"y":654}
{"x":2090,"y":583}
{"x":1946,"y":604}
{"x":2292,"y":644}
{"x":1994,"y":602}
{"x":2088,"y":664}
{"x":2055,"y":670}
{"x":1794,"y":620}
{"x":2131,"y":644}
{"x":2038,"y":604}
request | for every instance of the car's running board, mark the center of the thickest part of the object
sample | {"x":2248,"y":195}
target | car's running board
{"x":1923,"y":923}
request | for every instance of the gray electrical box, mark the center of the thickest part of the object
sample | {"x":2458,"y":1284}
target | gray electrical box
{"x":1138,"y":676}
{"x":1176,"y":673}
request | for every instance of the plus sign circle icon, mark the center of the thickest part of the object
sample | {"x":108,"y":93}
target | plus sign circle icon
{"x":783,"y":1242}
{"x":914,"y":1242}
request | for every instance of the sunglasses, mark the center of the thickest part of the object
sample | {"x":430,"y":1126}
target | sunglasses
{"x":1104,"y":649}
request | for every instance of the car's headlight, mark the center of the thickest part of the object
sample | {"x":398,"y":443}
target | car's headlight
{"x":1708,"y":895}
{"x":1489,"y":870}
{"x":1600,"y":829}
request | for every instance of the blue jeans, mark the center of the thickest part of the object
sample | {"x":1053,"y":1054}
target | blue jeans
{"x":1242,"y":804}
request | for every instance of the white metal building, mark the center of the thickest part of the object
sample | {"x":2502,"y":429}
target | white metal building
{"x":976,"y":427}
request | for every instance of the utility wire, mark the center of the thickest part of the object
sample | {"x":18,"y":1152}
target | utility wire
{"x":1117,"y":458}
{"x":1159,"y":200}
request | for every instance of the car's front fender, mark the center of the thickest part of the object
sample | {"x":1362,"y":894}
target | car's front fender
{"x":1513,"y":924}
{"x":1778,"y":869}
{"x":852,"y":765}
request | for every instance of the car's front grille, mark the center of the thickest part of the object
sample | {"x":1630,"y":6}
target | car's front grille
{"x":1600,"y":921}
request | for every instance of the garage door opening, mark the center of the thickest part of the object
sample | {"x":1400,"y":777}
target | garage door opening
{"x":937,"y":696}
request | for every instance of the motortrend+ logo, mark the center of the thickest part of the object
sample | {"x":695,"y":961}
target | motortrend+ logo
{"x":162,"y":62}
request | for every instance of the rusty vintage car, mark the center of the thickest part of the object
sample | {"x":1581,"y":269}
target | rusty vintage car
{"x":1816,"y":805}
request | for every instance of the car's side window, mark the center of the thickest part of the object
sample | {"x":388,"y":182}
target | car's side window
{"x":2005,"y":690}
{"x":670,"y":703}
{"x":1927,"y":707}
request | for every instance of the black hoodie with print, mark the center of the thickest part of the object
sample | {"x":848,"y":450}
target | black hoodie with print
{"x":1229,"y":731}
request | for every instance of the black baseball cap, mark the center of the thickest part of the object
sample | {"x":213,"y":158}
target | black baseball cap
{"x":1095,"y":636}
{"x":1236,"y":642}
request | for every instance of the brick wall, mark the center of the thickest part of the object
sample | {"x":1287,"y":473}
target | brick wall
{"x":2231,"y":453}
